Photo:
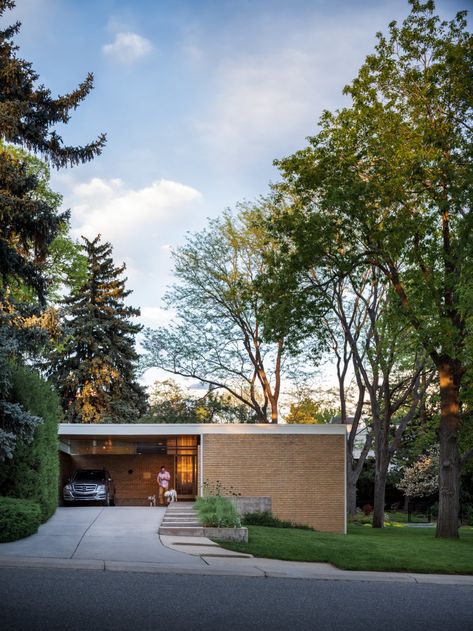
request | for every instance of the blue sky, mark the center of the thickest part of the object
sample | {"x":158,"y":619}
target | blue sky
{"x":197,"y":97}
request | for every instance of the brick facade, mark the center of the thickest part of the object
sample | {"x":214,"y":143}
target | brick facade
{"x":304,"y":474}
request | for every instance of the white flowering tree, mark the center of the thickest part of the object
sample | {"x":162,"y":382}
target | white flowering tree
{"x":421,"y":478}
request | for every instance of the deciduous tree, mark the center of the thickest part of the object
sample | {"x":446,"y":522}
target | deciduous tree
{"x":388,"y":181}
{"x":217,"y":336}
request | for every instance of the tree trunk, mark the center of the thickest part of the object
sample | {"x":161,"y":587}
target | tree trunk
{"x":449,"y":470}
{"x":274,"y":410}
{"x":381,"y":472}
{"x":351,"y":489}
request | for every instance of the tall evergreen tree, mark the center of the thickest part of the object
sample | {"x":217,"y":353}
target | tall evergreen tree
{"x":29,"y":220}
{"x":28,"y":114}
{"x":94,"y":370}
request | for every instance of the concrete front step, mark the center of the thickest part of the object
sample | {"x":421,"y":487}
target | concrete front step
{"x":182,"y":531}
{"x":180,"y":522}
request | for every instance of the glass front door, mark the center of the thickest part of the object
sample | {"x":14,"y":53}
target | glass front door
{"x":186,"y":476}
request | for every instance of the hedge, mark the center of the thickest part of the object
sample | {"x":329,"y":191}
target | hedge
{"x":33,"y":472}
{"x":18,"y":518}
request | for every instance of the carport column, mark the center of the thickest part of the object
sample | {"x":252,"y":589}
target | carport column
{"x":200,"y":464}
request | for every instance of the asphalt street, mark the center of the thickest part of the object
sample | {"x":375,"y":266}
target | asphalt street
{"x":48,"y":599}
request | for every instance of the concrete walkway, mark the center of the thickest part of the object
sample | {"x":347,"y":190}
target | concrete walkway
{"x":125,"y":538}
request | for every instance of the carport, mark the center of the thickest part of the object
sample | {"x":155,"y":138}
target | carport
{"x":133,"y":454}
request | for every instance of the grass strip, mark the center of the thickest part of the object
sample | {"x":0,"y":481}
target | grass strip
{"x":391,"y":549}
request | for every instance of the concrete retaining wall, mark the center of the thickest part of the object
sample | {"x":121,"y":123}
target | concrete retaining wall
{"x":250,"y":503}
{"x":227,"y":534}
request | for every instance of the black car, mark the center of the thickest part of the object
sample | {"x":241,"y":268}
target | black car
{"x":90,"y":485}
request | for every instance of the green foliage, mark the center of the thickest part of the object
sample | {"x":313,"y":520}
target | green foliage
{"x":217,"y":512}
{"x":30,"y":220}
{"x":309,"y":411}
{"x":18,"y":518}
{"x":266,"y":518}
{"x":33,"y":471}
{"x":94,"y":368}
{"x":32,"y":112}
{"x":16,"y":422}
{"x":218,"y":335}
{"x":388,"y":182}
{"x":168,"y":403}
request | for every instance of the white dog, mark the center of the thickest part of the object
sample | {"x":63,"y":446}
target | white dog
{"x":152,"y":500}
{"x":171,"y":496}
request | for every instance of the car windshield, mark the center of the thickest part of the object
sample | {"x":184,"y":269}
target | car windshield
{"x":90,"y":474}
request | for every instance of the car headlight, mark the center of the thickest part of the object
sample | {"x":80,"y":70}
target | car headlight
{"x":68,"y":488}
{"x":101,"y":488}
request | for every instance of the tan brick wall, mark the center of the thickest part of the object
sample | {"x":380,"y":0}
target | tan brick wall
{"x":304,"y":474}
{"x":131,"y":488}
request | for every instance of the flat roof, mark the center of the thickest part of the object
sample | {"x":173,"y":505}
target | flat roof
{"x":139,"y":430}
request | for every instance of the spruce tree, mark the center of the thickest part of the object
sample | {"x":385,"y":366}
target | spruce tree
{"x":28,"y":115}
{"x":94,"y":370}
{"x":29,"y":222}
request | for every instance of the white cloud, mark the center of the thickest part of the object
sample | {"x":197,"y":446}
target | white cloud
{"x":267,"y":100}
{"x":117,"y":212}
{"x":141,"y":224}
{"x":128,"y":48}
{"x":259,"y":99}
{"x":156,"y":316}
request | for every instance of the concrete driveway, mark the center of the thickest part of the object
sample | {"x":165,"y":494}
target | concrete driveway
{"x":118,"y":533}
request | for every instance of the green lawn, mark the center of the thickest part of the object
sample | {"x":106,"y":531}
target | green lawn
{"x":395,"y":549}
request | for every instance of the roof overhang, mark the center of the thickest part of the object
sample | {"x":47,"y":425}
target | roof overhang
{"x":141,"y":430}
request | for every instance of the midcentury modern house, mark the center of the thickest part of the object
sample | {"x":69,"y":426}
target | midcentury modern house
{"x":300,"y":467}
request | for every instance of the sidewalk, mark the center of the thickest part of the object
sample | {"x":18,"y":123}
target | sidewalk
{"x":125,"y":539}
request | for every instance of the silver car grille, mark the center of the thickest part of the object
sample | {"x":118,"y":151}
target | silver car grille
{"x":84,"y":488}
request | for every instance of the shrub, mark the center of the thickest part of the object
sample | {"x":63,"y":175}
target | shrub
{"x":266,"y":518}
{"x":18,"y":518}
{"x":34,"y":469}
{"x":217,"y":512}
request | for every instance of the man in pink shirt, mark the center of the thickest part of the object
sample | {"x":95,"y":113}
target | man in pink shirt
{"x":163,"y":484}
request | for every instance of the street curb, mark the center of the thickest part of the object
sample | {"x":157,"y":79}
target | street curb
{"x":52,"y":562}
{"x":256,"y":570}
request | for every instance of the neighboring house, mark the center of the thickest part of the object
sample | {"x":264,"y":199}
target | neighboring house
{"x":301,"y":467}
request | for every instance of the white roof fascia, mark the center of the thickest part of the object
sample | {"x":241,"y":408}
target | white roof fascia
{"x":135,"y":430}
